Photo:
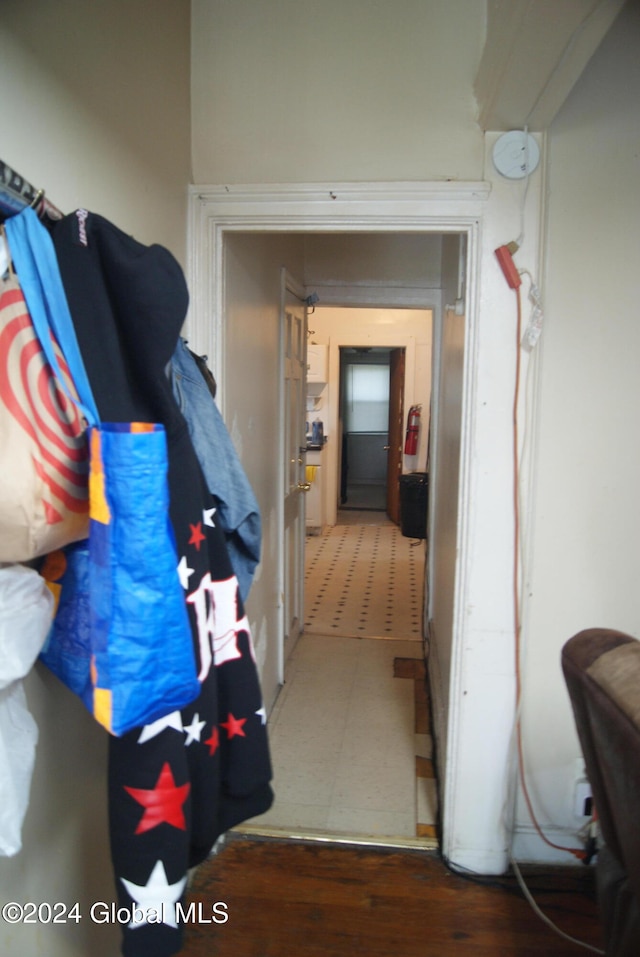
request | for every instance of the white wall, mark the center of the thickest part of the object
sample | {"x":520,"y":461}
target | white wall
{"x":475,"y":759}
{"x":96,"y":108}
{"x":587,"y":520}
{"x":391,"y":266}
{"x":96,"y":111}
{"x":302,"y":91}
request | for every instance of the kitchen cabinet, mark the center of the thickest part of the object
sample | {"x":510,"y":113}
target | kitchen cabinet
{"x":317,"y":368}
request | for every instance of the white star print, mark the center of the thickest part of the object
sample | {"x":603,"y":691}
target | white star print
{"x":173,"y":720}
{"x":194,"y":730}
{"x":157,"y":896}
{"x":207,"y":517}
{"x":262,"y":714}
{"x":184,"y":572}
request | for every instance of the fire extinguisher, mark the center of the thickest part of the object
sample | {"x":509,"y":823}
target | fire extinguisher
{"x":413,"y":430}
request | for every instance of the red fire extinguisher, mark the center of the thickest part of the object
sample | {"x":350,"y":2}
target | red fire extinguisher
{"x":413,"y":430}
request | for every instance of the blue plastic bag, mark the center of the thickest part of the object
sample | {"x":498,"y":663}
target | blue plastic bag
{"x":143,"y":663}
{"x":121,"y":638}
{"x":67,"y":650}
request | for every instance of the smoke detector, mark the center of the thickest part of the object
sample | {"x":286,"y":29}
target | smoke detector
{"x":516,"y":154}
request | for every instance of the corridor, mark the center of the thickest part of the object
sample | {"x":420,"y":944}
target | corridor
{"x":350,"y":733}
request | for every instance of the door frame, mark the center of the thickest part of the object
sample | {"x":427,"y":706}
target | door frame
{"x":438,"y":207}
{"x":394,"y":455}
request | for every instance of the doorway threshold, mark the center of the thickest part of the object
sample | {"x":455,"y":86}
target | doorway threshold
{"x":326,"y":837}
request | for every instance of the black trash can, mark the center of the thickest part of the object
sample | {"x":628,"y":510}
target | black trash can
{"x":414,"y":490}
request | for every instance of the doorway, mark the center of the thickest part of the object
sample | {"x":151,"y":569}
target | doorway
{"x":361,"y":652}
{"x":233,"y":315}
{"x":379,"y":365}
{"x":371,"y":397}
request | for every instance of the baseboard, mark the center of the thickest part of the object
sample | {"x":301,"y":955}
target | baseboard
{"x":528,"y":847}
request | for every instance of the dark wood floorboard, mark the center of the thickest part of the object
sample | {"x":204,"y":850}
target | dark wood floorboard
{"x":291,"y":899}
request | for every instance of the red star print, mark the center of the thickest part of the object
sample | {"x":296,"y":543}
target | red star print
{"x":234,"y":726}
{"x":213,"y":741}
{"x":162,"y":804}
{"x":197,"y":536}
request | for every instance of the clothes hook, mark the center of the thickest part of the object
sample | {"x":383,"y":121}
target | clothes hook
{"x":35,"y":202}
{"x":311,"y":302}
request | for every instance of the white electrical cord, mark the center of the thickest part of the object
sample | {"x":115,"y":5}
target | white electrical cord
{"x":534,"y":327}
{"x":520,"y":238}
{"x":543,"y":917}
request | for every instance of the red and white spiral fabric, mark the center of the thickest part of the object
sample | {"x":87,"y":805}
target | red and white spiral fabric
{"x":43,"y":448}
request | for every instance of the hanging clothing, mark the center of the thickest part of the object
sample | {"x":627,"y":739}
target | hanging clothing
{"x":179,"y":783}
{"x":238,"y":509}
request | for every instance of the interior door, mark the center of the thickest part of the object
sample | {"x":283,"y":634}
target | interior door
{"x":293,"y":354}
{"x":394,"y":452}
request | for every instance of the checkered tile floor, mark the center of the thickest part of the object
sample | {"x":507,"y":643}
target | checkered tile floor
{"x":364,"y":581}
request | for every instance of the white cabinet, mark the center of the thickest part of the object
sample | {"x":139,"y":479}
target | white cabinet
{"x":317,"y":368}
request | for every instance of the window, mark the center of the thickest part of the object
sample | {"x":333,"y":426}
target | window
{"x":366,"y":406}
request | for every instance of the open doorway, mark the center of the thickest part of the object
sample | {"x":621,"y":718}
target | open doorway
{"x":397,"y":247}
{"x":379,"y":365}
{"x":350,"y":730}
{"x":371,"y":398}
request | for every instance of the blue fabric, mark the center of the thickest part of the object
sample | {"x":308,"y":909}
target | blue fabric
{"x":238,"y":511}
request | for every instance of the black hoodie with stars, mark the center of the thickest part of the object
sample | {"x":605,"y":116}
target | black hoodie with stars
{"x":176,"y":785}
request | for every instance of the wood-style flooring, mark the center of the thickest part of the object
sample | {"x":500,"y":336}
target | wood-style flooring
{"x":290,"y":899}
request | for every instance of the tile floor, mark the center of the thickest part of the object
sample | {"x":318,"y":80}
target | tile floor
{"x":364,"y":580}
{"x":350,"y":736}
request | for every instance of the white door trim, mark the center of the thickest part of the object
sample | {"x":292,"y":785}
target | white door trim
{"x":351,"y":207}
{"x":392,"y":207}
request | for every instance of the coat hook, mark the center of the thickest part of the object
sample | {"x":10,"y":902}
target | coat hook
{"x":35,"y":202}
{"x":311,"y":302}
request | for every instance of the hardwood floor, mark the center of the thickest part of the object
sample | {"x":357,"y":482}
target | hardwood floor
{"x":289,"y":899}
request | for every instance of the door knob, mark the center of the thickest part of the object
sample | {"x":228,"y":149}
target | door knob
{"x":303,"y":486}
{"x":386,"y":447}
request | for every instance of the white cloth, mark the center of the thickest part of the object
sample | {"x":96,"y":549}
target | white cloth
{"x":26,"y":609}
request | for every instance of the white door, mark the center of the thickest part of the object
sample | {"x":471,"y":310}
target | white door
{"x":293,"y":357}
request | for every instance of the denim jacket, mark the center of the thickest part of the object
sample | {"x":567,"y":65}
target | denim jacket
{"x":238,"y":510}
